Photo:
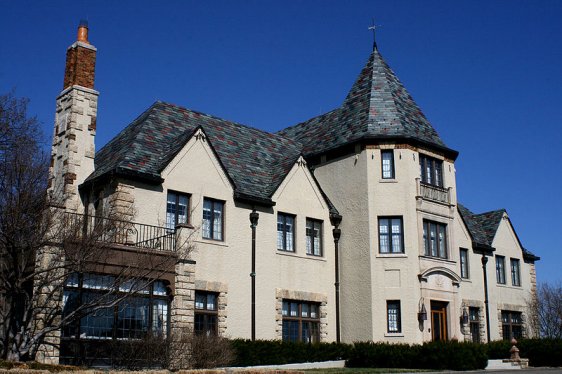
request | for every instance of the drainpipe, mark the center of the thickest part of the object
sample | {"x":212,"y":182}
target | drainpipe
{"x":336,"y":232}
{"x":484,"y":262}
{"x":254,"y":216}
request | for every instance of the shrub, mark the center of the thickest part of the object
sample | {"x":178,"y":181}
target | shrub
{"x":276,"y":352}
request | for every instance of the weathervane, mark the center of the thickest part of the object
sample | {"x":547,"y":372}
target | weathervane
{"x":374,"y":28}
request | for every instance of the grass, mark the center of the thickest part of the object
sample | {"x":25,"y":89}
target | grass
{"x":363,"y":371}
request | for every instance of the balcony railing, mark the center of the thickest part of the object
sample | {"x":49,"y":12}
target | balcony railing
{"x":433,"y":193}
{"x":123,"y":232}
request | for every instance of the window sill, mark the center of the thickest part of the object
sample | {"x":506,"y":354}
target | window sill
{"x":508,"y":286}
{"x":437,"y":259}
{"x":394,"y":335}
{"x":295,"y":255}
{"x":392,"y":255}
{"x":389,"y":180}
{"x":212,"y":242}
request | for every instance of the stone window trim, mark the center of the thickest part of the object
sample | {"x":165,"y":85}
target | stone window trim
{"x":321,"y":299}
{"x":466,"y":304}
{"x":222,"y":301}
{"x":504,"y":307}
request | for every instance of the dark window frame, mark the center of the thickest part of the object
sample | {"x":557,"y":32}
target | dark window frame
{"x":312,"y":323}
{"x":284,"y":216}
{"x":474,"y":323}
{"x":500,"y":269}
{"x":393,"y":305}
{"x":73,"y":331}
{"x":209,"y":316}
{"x":212,"y":219}
{"x":389,"y":234}
{"x":320,"y":228}
{"x":177,"y":195}
{"x":392,"y":166}
{"x":464,"y":264}
{"x":435,"y":166}
{"x":515,"y":271}
{"x":441,"y":251}
{"x":512,"y":324}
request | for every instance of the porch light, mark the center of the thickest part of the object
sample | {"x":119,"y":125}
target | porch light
{"x":464,"y":319}
{"x":422,"y":315}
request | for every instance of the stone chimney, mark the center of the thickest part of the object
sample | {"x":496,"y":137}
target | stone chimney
{"x":73,"y":149}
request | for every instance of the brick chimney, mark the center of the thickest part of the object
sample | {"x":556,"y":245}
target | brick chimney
{"x":73,"y":149}
{"x":80,"y":61}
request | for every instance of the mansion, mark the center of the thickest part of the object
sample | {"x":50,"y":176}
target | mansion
{"x":345,"y":227}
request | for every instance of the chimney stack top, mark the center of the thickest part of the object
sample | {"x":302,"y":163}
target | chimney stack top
{"x":83,"y":32}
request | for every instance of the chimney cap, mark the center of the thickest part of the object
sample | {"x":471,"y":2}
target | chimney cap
{"x":83,"y":32}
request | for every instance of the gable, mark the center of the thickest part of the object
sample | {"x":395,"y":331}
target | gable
{"x":505,"y":239}
{"x":300,"y":188}
{"x":196,"y":165}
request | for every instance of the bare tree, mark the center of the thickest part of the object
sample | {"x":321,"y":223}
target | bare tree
{"x":44,"y":249}
{"x":546,"y":310}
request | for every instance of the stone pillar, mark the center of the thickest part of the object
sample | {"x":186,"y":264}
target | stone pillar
{"x":183,"y":304}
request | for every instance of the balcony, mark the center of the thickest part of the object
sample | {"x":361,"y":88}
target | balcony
{"x":433,"y":193}
{"x":114,"y":231}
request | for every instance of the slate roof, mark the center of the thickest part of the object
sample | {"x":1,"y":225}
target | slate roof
{"x":378,"y":106}
{"x":255,"y":161}
{"x":483,"y":227}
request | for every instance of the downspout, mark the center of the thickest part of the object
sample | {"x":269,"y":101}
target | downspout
{"x":336,"y":232}
{"x":484,"y":262}
{"x":254,"y":216}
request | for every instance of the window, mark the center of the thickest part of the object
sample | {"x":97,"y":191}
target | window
{"x":512,"y":325}
{"x":206,"y":313}
{"x":301,"y":321}
{"x":435,"y":239}
{"x":464,"y":263}
{"x":474,"y":320}
{"x":431,"y":170}
{"x":213,"y":219}
{"x":391,"y":235}
{"x":144,"y":311}
{"x":177,"y":209}
{"x":285,"y":232}
{"x":313,"y":237}
{"x":515,"y":273}
{"x":393,"y":316}
{"x":387,"y":164}
{"x":500,"y":269}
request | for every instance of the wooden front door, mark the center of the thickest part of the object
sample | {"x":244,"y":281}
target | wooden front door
{"x":438,"y":320}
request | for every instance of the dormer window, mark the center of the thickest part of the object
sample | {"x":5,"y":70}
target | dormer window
{"x":431,"y":170}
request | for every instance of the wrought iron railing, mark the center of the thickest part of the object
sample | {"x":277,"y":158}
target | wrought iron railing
{"x":434,"y":193}
{"x":128,"y":233}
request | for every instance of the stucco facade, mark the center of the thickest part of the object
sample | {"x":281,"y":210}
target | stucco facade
{"x":376,"y":165}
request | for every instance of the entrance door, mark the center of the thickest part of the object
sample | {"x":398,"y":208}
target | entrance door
{"x":438,"y":320}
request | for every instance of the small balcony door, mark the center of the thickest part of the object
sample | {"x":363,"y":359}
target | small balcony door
{"x":438,"y":320}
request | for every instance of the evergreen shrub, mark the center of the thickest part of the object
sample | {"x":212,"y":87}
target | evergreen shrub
{"x":540,"y":352}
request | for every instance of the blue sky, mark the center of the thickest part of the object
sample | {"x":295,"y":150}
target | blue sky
{"x":487,"y":74}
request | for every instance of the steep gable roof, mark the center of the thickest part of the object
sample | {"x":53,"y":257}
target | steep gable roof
{"x":474,"y":227}
{"x":378,"y":106}
{"x":483,"y":227}
{"x":255,"y":161}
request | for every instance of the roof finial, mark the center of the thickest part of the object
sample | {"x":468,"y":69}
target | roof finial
{"x":374,"y":28}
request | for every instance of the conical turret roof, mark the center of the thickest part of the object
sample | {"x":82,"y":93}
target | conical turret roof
{"x":377,"y":107}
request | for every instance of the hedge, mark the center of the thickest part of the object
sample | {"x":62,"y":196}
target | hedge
{"x":540,"y":352}
{"x":449,"y":355}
